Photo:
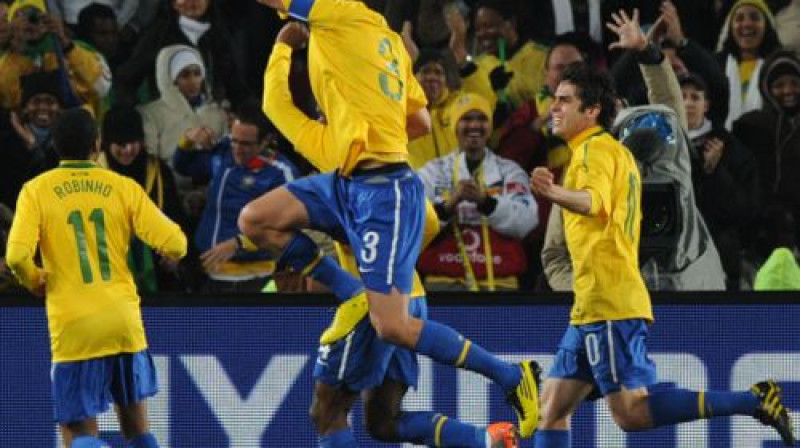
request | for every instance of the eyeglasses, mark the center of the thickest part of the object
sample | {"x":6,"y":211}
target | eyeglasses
{"x":243,"y":142}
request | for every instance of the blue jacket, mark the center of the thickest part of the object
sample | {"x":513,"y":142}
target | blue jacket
{"x":231,"y":187}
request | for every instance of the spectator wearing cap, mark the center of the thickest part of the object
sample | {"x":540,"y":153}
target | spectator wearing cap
{"x":239,"y":167}
{"x":431,"y":69}
{"x":773,"y":133}
{"x":725,"y":178}
{"x":184,"y":104}
{"x":39,"y":42}
{"x":484,"y":204}
{"x":748,"y":36}
{"x":26,"y":134}
{"x":124,"y":152}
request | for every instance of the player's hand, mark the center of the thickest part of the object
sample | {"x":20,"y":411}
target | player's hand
{"x":542,"y":180}
{"x":40,"y":286}
{"x":213,"y":258}
{"x":293,"y":34}
{"x":628,"y":30}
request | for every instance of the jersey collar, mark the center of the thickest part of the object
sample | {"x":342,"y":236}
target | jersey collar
{"x":585,"y":135}
{"x":77,"y":164}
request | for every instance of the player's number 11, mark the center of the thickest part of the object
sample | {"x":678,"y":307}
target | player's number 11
{"x":75,"y":219}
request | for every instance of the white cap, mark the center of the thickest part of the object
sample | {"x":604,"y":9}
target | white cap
{"x":182,"y":59}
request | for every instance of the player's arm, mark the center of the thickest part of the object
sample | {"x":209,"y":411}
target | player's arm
{"x":153,"y":227}
{"x":543,"y":184}
{"x":418,"y":124}
{"x":310,"y":138}
{"x":23,"y":239}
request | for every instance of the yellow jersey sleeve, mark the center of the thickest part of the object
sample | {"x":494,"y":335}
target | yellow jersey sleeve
{"x":361,"y":77}
{"x":595,"y":168}
{"x":23,"y":239}
{"x":310,"y":138}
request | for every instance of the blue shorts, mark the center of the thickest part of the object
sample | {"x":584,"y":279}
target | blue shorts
{"x":608,"y":354}
{"x":84,"y":389}
{"x":363,"y":361}
{"x":380,"y":216}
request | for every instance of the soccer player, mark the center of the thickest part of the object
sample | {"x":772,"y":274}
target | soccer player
{"x":82,"y":218}
{"x":363,"y":361}
{"x":603,"y":352}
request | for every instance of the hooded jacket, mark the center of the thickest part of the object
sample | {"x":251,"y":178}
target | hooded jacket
{"x":166,"y":119}
{"x":773,"y":135}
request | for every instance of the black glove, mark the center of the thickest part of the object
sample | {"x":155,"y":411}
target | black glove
{"x":499,"y":78}
{"x":502,"y":111}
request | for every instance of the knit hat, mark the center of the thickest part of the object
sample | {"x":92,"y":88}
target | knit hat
{"x":122,"y":124}
{"x":469,"y":102}
{"x":781,"y":63}
{"x":694,"y":80}
{"x":36,"y":83}
{"x":182,"y":59}
{"x":19,"y":4}
{"x":761,"y":5}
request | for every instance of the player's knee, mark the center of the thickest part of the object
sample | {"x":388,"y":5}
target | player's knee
{"x":322,"y":417}
{"x":391,"y":330}
{"x":630,"y":422}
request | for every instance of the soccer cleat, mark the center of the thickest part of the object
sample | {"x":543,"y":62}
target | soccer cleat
{"x":771,"y":410}
{"x":525,"y":398}
{"x":348,"y":315}
{"x":503,"y":435}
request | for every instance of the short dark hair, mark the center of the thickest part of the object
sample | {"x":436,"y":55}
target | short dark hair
{"x":594,"y":87}
{"x":250,"y":112}
{"x":74,"y":134}
{"x":87,"y":16}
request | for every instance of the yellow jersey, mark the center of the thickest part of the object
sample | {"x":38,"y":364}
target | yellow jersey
{"x":605,"y":244}
{"x":362,"y":79}
{"x":82,"y":218}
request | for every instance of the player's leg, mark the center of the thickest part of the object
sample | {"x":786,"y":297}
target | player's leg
{"x":330,"y":407}
{"x":385,"y":234}
{"x":568,"y":383}
{"x":273,"y":222}
{"x":80,"y":392}
{"x":623,"y":372}
{"x":134,"y":380}
{"x":82,"y":434}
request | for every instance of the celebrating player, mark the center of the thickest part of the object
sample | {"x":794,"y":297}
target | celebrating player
{"x":362,"y":78}
{"x":82,"y":218}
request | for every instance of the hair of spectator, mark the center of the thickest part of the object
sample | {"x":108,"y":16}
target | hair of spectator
{"x":88,"y":15}
{"x":428,"y":55}
{"x":250,"y":112}
{"x":573,"y":39}
{"x":594,"y":87}
{"x":74,"y":134}
{"x":505,"y":8}
{"x":768,"y":45}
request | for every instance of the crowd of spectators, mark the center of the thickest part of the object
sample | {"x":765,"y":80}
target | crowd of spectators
{"x":173,"y":84}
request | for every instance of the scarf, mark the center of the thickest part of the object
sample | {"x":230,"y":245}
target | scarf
{"x":193,"y":29}
{"x":737,"y":105}
{"x":704,"y":129}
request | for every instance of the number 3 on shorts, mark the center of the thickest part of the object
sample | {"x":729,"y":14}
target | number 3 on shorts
{"x":369,"y":252}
